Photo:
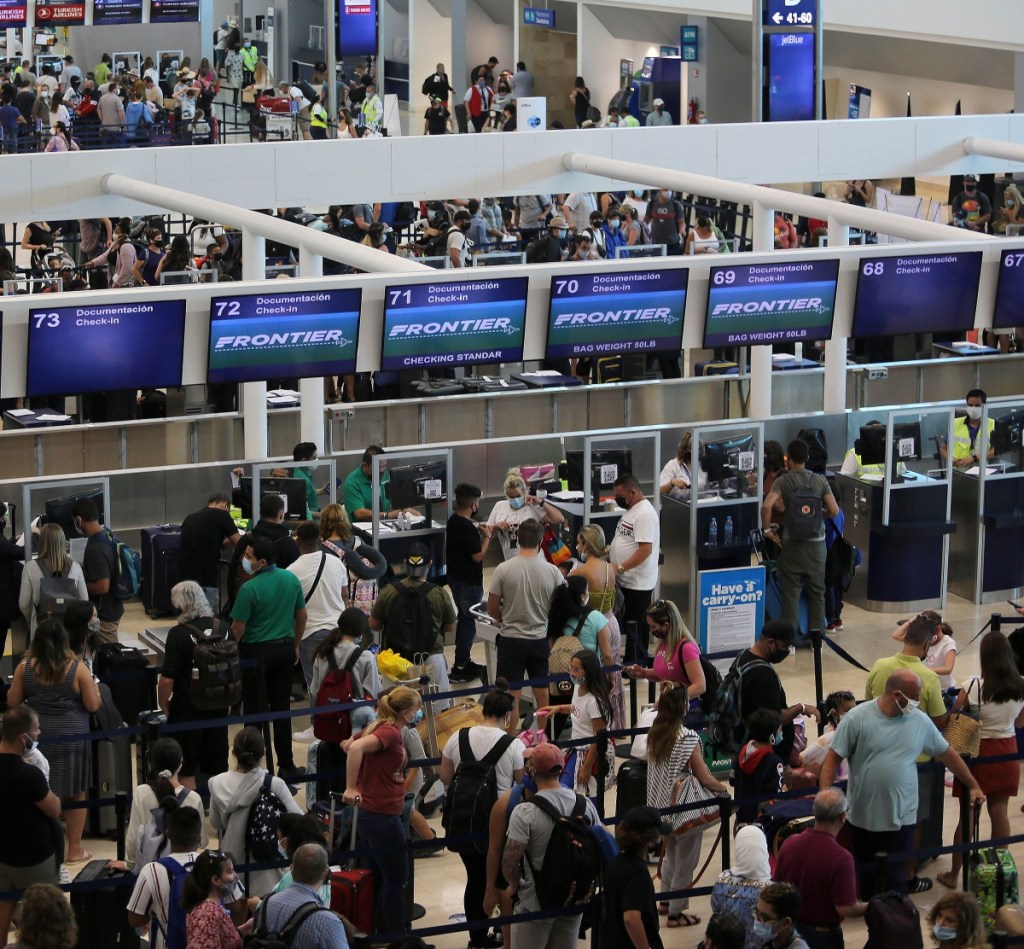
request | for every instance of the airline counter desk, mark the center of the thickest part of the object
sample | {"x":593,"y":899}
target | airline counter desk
{"x":904,"y":566}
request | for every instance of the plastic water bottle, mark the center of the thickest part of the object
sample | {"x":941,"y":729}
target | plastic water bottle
{"x":713,"y":533}
{"x":728,"y":532}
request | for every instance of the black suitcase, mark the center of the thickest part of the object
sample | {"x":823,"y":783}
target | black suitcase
{"x":111,"y":773}
{"x":131,"y":679}
{"x":159,"y":568}
{"x":630,"y":786}
{"x":102,"y":914}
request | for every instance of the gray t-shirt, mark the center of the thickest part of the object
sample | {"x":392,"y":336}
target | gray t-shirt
{"x":531,"y":826}
{"x":524,"y":586}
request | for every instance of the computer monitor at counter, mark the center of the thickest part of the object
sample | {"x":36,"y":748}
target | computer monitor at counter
{"x":606,"y":466}
{"x":417,"y":485}
{"x":293,"y":490}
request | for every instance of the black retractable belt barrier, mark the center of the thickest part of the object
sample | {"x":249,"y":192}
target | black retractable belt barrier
{"x":264,"y":703}
{"x":819,"y":692}
{"x":966,"y":828}
{"x":725,"y":808}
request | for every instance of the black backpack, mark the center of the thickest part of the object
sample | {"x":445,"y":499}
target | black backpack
{"x":537,"y":251}
{"x":803,"y":518}
{"x":55,"y":593}
{"x":726,"y":719}
{"x":817,"y":448}
{"x":263,"y":938}
{"x":409,"y":623}
{"x":261,"y":826}
{"x":216,"y":680}
{"x":572,"y":865}
{"x":893,"y":920}
{"x":473,"y":791}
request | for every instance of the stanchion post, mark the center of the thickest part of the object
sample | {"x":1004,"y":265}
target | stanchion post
{"x":601,"y":774}
{"x":261,"y":693}
{"x":881,"y":867}
{"x":966,"y":835}
{"x":996,"y":621}
{"x":819,"y":690}
{"x":121,"y":813}
{"x":725,"y":809}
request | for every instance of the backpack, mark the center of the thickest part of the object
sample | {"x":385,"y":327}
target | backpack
{"x":472,"y":794}
{"x":124,"y":582}
{"x":893,"y":920}
{"x":336,"y":689}
{"x":152,"y":844}
{"x":712,"y":683}
{"x":262,"y":938}
{"x":817,"y":448}
{"x":55,"y":593}
{"x":177,"y":874}
{"x":409,"y":623}
{"x":572,"y":863}
{"x":803,"y":517}
{"x":216,"y":681}
{"x":266,"y":811}
{"x":537,"y":251}
{"x":726,"y":721}
{"x":593,"y":114}
{"x":841,"y":560}
{"x":645,"y":232}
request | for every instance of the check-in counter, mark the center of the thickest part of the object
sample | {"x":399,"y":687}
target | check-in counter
{"x":904,"y":565}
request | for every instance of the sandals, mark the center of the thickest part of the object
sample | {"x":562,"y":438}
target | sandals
{"x":682,"y":919}
{"x":85,"y":858}
{"x":919,"y":885}
{"x":949,"y":879}
{"x":663,"y":909}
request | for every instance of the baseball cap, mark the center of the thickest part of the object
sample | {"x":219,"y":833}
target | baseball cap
{"x":646,"y":818}
{"x":970,"y":177}
{"x":547,"y":759}
{"x":417,"y":560}
{"x":781,"y":630}
{"x":659,"y":102}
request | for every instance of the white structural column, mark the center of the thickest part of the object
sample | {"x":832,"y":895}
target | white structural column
{"x":835,"y":348}
{"x":761,"y":356}
{"x":311,"y":413}
{"x":252,"y":396}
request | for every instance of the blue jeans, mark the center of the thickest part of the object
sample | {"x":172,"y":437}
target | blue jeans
{"x":383,"y":838}
{"x":307,"y":647}
{"x":466,"y":596}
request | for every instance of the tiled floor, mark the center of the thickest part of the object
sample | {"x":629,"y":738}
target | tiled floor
{"x":439,"y":880}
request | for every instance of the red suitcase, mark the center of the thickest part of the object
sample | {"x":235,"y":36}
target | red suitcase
{"x":353,"y":891}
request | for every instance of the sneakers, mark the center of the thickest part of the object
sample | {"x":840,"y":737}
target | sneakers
{"x":292,"y":777}
{"x":304,"y":736}
{"x":63,"y":877}
{"x":467,"y":673}
{"x":836,"y":626}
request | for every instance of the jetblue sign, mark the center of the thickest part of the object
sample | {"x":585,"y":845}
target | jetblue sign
{"x":537,"y":16}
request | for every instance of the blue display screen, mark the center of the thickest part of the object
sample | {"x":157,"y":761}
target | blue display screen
{"x":1009,"y":310}
{"x":761,"y":304}
{"x":460,"y":323}
{"x":789,"y":60}
{"x":174,"y":11}
{"x":97,"y":348}
{"x":116,"y":11}
{"x":357,"y":28}
{"x":919,"y":293}
{"x":625,"y":312}
{"x":271,"y":335}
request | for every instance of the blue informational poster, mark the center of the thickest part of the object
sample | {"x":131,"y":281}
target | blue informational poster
{"x":455,"y":323}
{"x":789,"y":64}
{"x":283,"y":335}
{"x":622,"y":312}
{"x":116,"y":11}
{"x":730,"y":612}
{"x":919,"y":293}
{"x":1010,"y":290}
{"x":357,"y":28}
{"x":108,"y":347}
{"x":759,"y":304}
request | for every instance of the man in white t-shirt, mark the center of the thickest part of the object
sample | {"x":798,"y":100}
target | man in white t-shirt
{"x":322,"y":590}
{"x":634,"y":557}
{"x":578,"y":207}
{"x":151,"y":898}
{"x":519,"y":600}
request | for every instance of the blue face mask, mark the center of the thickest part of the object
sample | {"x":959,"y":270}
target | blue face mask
{"x":418,"y":717}
{"x":762,"y":931}
{"x":943,"y":933}
{"x":529,"y":783}
{"x":247,"y":565}
{"x":516,"y":503}
{"x":282,"y":851}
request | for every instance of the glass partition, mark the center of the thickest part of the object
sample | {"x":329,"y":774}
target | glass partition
{"x":300,"y":484}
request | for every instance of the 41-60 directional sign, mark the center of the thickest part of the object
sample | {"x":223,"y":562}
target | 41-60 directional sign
{"x":792,"y":14}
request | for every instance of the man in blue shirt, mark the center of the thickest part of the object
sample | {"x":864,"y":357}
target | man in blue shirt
{"x":321,"y":929}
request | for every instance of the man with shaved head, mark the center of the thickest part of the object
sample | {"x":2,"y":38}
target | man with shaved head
{"x":881,"y":740}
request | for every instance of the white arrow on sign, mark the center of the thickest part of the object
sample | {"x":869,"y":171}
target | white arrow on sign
{"x":777,"y":18}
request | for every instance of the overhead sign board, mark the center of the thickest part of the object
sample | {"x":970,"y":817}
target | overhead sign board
{"x":538,"y":16}
{"x":791,"y":14}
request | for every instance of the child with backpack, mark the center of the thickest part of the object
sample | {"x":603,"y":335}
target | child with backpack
{"x":478,"y":765}
{"x":210,"y":883}
{"x":156,"y":900}
{"x":152,"y":804}
{"x":758,"y":770}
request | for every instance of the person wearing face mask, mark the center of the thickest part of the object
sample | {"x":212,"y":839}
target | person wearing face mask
{"x":775,"y":917}
{"x":478,"y":99}
{"x":971,"y":208}
{"x":737,"y":889}
{"x":27,"y":851}
{"x":761,"y":687}
{"x":758,"y":770}
{"x":966,"y":448}
{"x":957,"y":922}
{"x":822,"y":870}
{"x":466,"y":545}
{"x":99,"y":565}
{"x":211,"y":882}
{"x":612,"y":235}
{"x":250,"y":58}
{"x":659,"y":116}
{"x":634,"y":557}
{"x":52,"y":580}
{"x":677,"y":658}
{"x":375,"y":780}
{"x":667,"y":219}
{"x":705,"y":238}
{"x":144,"y":270}
{"x":881,"y":741}
{"x":837,"y":704}
{"x":481,"y":740}
{"x":293,"y":832}
{"x":458,"y":243}
{"x":517,"y":506}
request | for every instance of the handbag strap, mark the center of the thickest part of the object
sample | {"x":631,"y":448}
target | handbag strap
{"x":316,"y":579}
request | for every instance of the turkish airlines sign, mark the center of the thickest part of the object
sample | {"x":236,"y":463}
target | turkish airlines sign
{"x":59,"y":14}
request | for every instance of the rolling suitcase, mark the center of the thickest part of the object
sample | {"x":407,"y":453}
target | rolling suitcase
{"x":111,"y":774}
{"x":159,"y":567}
{"x":993,"y":877}
{"x":130,"y":677}
{"x":630,"y":786}
{"x":102,"y":914}
{"x":353,"y":891}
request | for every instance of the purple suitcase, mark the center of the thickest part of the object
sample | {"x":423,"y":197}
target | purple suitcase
{"x":159,"y":567}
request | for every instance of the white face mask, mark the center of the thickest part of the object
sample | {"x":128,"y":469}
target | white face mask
{"x":974,"y":412}
{"x":911,"y":706}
